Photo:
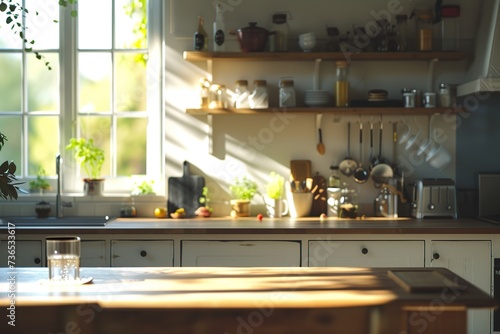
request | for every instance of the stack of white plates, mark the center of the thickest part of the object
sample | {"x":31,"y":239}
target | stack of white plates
{"x":316,"y":97}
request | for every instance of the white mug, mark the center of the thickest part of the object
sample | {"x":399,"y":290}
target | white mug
{"x":276,"y":208}
{"x":300,"y":203}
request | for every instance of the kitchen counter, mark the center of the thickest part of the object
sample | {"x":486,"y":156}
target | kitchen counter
{"x":229,"y":300}
{"x":280,"y":226}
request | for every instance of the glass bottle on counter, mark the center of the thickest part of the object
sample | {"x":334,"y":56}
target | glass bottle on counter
{"x":200,"y":37}
{"x":342,"y":85}
{"x":287,"y":94}
{"x":259,"y":98}
{"x":348,"y":203}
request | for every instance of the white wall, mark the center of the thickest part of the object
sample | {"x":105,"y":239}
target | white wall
{"x":254,"y":145}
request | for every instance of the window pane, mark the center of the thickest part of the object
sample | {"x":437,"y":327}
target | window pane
{"x":42,"y":27}
{"x":99,"y":129}
{"x":131,"y":146}
{"x":10,"y":84}
{"x":95,"y":82}
{"x":9,"y":40}
{"x":43,"y":143}
{"x":94,"y":17}
{"x":130,"y":83}
{"x":131,"y":24}
{"x":10,"y":126}
{"x":43,"y":84}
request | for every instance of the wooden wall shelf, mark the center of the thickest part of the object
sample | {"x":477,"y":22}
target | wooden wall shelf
{"x":308,"y":56}
{"x":328,"y":110}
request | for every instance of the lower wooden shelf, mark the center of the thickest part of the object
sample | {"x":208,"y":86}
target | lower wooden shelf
{"x":328,"y":110}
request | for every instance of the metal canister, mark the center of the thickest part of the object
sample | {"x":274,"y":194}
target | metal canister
{"x":418,"y":97}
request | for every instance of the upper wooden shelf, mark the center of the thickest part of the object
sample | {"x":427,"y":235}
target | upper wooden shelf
{"x":328,"y":110}
{"x":307,"y":56}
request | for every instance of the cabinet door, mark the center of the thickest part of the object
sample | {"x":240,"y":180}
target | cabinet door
{"x":27,"y":253}
{"x":142,"y":253}
{"x":365,"y":253}
{"x":240,"y":253}
{"x":470,"y":260}
{"x":93,"y":253}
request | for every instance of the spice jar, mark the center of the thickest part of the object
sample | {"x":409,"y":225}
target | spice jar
{"x":424,"y":29}
{"x":279,"y":40}
{"x":348,"y":203}
{"x":218,"y":98}
{"x":287,"y":94}
{"x":444,"y":96}
{"x":342,"y":85}
{"x":259,"y":98}
{"x":241,"y":95}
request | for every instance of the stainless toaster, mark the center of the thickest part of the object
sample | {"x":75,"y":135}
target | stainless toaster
{"x":434,"y":198}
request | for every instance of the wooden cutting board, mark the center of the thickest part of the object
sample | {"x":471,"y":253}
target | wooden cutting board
{"x":318,"y":189}
{"x":185,"y":192}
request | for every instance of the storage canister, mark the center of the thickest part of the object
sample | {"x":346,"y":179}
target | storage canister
{"x":424,"y":30}
{"x":449,"y":28}
{"x":259,"y":98}
{"x":241,"y":95}
{"x":444,"y":96}
{"x":287,"y":94}
{"x":342,"y":85}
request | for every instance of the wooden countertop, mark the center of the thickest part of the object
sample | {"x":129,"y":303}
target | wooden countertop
{"x":279,"y":226}
{"x":280,"y":292}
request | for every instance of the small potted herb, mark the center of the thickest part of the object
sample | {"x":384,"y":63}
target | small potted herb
{"x":243,"y":190}
{"x":40,"y":184}
{"x":91,"y":159}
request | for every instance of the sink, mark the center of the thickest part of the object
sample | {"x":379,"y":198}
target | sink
{"x":53,"y":221}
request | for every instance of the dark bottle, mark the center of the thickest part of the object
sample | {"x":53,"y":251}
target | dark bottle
{"x":200,"y":37}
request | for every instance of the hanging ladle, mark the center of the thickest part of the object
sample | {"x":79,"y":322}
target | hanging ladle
{"x":361,"y":175}
{"x":348,"y":165}
{"x":320,"y":146}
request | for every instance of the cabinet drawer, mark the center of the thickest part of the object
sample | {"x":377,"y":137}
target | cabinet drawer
{"x":142,"y":253}
{"x":26,"y":253}
{"x":93,"y":253}
{"x":366,"y":253}
{"x":240,"y":253}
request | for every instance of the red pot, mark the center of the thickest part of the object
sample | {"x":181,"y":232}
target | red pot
{"x":252,"y":38}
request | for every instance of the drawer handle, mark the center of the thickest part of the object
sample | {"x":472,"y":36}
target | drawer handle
{"x":37,"y":260}
{"x":144,"y":253}
{"x":435,"y":256}
{"x":364,"y":250}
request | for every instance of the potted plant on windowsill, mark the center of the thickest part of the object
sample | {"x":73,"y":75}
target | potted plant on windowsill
{"x":91,"y":159}
{"x":40,"y":184}
{"x":243,"y":190}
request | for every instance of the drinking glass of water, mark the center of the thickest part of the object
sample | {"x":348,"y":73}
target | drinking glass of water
{"x":63,"y":256}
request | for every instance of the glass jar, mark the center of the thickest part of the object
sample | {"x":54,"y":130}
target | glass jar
{"x":386,"y":203}
{"x":241,"y":95}
{"x":204,"y":93}
{"x":287,"y":94}
{"x":444,"y":96}
{"x":334,"y":179}
{"x":348,"y":203}
{"x":402,"y":32}
{"x":449,"y":28}
{"x":424,"y":29}
{"x":279,"y":40}
{"x":342,"y":85}
{"x":218,"y":98}
{"x":259,"y":98}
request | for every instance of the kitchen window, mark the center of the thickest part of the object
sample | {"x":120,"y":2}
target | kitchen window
{"x":104,"y":82}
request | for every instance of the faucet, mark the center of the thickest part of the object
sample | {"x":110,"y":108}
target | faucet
{"x":59,"y":203}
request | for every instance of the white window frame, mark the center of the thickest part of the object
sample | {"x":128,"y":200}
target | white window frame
{"x":72,"y":183}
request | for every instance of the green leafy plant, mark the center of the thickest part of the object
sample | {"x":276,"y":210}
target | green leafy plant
{"x":41,"y":180}
{"x":8,"y":183}
{"x":274,"y":188}
{"x":143,"y":187}
{"x":15,"y":14}
{"x":244,"y":188}
{"x":90,"y":157}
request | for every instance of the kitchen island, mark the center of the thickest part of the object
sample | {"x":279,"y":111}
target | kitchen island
{"x":239,"y":300}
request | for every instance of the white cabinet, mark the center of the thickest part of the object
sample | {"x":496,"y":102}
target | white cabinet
{"x":93,"y":253}
{"x":198,"y":253}
{"x":142,"y":253}
{"x":26,"y":253}
{"x":366,"y":253}
{"x":470,"y":260}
